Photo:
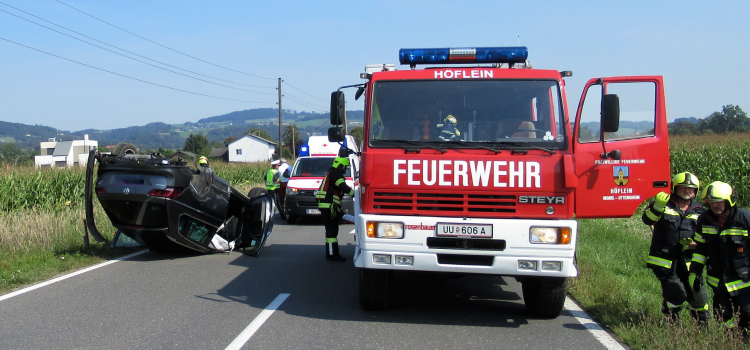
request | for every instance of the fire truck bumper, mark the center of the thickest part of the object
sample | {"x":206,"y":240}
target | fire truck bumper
{"x":509,"y":247}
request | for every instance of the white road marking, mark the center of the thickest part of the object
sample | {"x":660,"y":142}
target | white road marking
{"x":596,"y":330}
{"x":257,"y":322}
{"x":64,"y":277}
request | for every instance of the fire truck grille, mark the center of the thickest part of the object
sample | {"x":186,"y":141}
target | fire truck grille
{"x":414,"y":203}
{"x":472,"y":260}
{"x":465,"y":243}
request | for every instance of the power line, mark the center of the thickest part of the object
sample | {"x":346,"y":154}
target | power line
{"x":132,"y":53}
{"x":125,"y":76}
{"x":153,"y":42}
{"x":296,"y":99}
{"x":134,"y":59}
{"x":290,"y":85}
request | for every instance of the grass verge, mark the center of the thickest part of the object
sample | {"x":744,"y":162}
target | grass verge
{"x":615,"y":287}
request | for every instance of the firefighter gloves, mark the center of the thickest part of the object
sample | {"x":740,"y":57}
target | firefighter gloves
{"x":686,"y":242}
{"x":661,"y":200}
{"x":697,"y":282}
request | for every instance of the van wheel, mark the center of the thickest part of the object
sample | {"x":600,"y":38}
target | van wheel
{"x":545,"y":296}
{"x":373,"y":288}
{"x":291,"y":219}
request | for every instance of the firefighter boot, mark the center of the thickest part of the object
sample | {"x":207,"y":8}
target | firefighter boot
{"x":332,"y":251}
{"x":701,"y":316}
{"x":671,"y":313}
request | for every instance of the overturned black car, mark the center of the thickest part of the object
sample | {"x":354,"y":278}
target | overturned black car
{"x":169,"y":205}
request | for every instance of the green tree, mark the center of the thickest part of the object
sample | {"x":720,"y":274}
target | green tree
{"x":10,"y":152}
{"x":358,"y":133}
{"x":292,"y":137}
{"x":198,"y":144}
{"x":260,"y":133}
{"x":730,"y":119}
{"x":683,"y":128}
{"x":230,"y":139}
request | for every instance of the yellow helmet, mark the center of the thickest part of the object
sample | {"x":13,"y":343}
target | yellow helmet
{"x":685,"y":179}
{"x":339,"y":161}
{"x":203,"y":161}
{"x":719,"y":191}
{"x":451,"y":119}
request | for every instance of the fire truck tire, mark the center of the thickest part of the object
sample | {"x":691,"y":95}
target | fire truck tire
{"x":545,"y":296}
{"x":124,"y":148}
{"x":256,"y":192}
{"x":373,"y":288}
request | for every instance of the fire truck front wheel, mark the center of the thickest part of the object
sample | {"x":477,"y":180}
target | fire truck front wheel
{"x":373,"y":288}
{"x":545,"y":296}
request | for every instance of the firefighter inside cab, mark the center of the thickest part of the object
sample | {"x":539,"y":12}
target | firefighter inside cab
{"x":329,"y":195}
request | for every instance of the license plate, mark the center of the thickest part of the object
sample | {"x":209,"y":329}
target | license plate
{"x":313,"y":211}
{"x":464,"y":230}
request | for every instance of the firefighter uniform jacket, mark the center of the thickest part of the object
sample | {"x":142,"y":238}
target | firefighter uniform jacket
{"x":724,"y":250}
{"x":670,"y":227}
{"x":331,"y":189}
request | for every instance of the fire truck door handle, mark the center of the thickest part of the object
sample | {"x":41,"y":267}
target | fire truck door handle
{"x":658,"y":184}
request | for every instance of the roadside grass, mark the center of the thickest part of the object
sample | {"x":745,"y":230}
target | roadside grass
{"x":616,"y":288}
{"x":42,"y":221}
{"x":39,"y":245}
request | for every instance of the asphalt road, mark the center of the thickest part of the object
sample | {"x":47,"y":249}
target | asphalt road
{"x":158,"y":301}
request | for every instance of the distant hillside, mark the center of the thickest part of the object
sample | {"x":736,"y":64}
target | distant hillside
{"x":29,"y":136}
{"x":693,"y":120}
{"x":149,"y":136}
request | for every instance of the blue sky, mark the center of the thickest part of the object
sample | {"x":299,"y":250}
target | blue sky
{"x":701,"y":48}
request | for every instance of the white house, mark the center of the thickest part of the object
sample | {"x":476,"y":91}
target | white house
{"x":251,"y":148}
{"x":65,"y":153}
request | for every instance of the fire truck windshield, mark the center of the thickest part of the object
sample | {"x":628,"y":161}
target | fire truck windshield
{"x":462,"y":113}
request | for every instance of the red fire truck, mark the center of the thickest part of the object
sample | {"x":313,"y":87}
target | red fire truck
{"x":474,"y":165}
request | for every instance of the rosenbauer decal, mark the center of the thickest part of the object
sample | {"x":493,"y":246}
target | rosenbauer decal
{"x":500,"y":173}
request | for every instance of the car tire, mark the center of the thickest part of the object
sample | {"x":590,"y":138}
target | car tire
{"x":373,"y":288}
{"x":256,"y":192}
{"x":123,"y":148}
{"x":545,"y":296}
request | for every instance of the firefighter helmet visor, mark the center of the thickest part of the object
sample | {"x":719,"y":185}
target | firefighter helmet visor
{"x":686,"y":180}
{"x":719,"y":191}
{"x":339,"y":161}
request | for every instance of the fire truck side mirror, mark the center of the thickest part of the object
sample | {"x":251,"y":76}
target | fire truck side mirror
{"x":359,"y":93}
{"x":336,"y":134}
{"x":338,"y":108}
{"x":610,"y":113}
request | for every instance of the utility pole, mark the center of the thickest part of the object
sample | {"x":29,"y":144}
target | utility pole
{"x":281,"y":141}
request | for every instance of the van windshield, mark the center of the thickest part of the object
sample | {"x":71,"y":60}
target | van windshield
{"x":314,"y":167}
{"x":467,"y":113}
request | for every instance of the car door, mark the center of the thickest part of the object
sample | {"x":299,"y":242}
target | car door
{"x":616,"y":174}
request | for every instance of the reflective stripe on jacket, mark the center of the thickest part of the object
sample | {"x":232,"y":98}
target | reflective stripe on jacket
{"x":332,"y":189}
{"x":270,"y":184}
{"x":724,"y":250}
{"x":670,"y":226}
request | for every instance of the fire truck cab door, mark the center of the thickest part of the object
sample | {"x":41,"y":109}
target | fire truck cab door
{"x":632,"y":164}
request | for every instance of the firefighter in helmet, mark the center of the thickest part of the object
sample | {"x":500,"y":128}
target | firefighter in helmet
{"x":674,"y":218}
{"x":329,"y":196}
{"x":203,"y":161}
{"x":724,"y":248}
{"x":449,"y":131}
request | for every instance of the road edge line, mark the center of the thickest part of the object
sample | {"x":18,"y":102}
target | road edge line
{"x":592,"y":326}
{"x":64,"y":277}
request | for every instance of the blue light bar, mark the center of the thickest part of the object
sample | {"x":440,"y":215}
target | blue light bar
{"x":508,"y":55}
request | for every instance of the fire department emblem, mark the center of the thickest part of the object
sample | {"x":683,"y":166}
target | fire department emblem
{"x":621,"y":175}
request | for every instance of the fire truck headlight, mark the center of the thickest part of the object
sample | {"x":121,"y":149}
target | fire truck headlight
{"x":291,"y":191}
{"x":385,"y":229}
{"x":549,"y":235}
